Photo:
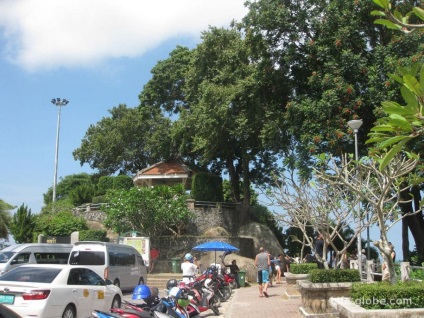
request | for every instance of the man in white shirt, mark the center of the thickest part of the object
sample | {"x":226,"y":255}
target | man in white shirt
{"x":189,"y":268}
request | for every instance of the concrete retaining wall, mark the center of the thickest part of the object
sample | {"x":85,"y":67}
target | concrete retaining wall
{"x":348,"y":309}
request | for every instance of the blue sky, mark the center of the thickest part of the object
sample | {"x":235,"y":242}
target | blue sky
{"x":97,"y":54}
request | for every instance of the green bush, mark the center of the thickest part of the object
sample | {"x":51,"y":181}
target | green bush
{"x":123,"y":182}
{"x":304,"y":268}
{"x":334,"y":276}
{"x":99,"y":199}
{"x":105,"y":183}
{"x":207,"y":187}
{"x":93,"y":235}
{"x":383,"y":295}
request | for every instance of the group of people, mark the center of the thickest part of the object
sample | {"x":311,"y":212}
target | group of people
{"x":190,"y":267}
{"x":266,"y":265}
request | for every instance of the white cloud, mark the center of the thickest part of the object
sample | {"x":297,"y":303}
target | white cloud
{"x":46,"y":34}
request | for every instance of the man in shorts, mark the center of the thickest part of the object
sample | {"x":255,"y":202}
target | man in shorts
{"x":262,"y":263}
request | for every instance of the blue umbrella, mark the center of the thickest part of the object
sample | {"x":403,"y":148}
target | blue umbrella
{"x":214,"y":246}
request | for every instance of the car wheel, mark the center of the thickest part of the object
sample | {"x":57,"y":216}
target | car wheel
{"x":116,"y":302}
{"x":117,"y":283}
{"x":69,"y":312}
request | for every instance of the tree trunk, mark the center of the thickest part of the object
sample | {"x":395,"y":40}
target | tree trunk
{"x":234,"y":180}
{"x":414,"y":221}
{"x":405,"y":240}
{"x":244,"y":215}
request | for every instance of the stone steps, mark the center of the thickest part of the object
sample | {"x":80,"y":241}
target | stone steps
{"x":160,"y":280}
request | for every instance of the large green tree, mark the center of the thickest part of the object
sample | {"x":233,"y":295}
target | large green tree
{"x":128,"y":141}
{"x":5,"y":218}
{"x":68,"y":184}
{"x":227,"y":111}
{"x":22,"y":225}
{"x":337,"y":64}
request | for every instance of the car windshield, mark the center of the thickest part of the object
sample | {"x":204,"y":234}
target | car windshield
{"x":31,"y":274}
{"x":5,"y":256}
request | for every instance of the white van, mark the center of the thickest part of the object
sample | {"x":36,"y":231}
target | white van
{"x":120,"y":263}
{"x":33,"y":253}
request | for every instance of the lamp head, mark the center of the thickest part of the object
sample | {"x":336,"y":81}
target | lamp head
{"x":355,"y":124}
{"x":59,"y":102}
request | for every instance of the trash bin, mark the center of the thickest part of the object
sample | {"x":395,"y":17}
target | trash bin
{"x":176,"y":265}
{"x":241,"y":278}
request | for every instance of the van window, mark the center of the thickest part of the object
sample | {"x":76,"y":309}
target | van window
{"x":140,"y":260}
{"x":20,"y":259}
{"x":51,"y":258}
{"x":87,"y":258}
{"x":121,"y":259}
{"x":6,"y":256}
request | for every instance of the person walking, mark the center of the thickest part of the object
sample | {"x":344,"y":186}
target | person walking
{"x":319,"y":250}
{"x":278,"y":267}
{"x":271,"y":269}
{"x":262,"y":263}
{"x":344,"y":263}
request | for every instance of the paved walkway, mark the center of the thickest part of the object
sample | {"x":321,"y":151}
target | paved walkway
{"x":246,"y":303}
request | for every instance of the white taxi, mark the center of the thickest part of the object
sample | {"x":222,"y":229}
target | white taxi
{"x":57,"y":291}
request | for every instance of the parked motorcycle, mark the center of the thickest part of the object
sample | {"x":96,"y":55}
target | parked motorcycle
{"x":202,"y":296}
{"x":218,"y":284}
{"x":102,"y":314}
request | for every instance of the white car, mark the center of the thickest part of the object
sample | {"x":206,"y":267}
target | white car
{"x":57,"y":291}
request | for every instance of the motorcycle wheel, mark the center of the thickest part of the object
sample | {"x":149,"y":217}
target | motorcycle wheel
{"x":233,"y":285}
{"x":225,"y":293}
{"x":214,"y":304}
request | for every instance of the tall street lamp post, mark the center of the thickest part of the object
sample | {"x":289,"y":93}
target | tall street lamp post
{"x":355,"y":125}
{"x":59,"y":103}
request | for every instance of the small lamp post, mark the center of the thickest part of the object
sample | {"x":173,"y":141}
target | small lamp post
{"x":59,"y":103}
{"x":355,"y":125}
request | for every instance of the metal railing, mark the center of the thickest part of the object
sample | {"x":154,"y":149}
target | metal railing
{"x":373,"y":271}
{"x":405,"y":271}
{"x":225,"y":205}
{"x":89,"y":207}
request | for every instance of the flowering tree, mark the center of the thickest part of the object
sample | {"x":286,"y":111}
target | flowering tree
{"x":379,"y":189}
{"x":327,"y":208}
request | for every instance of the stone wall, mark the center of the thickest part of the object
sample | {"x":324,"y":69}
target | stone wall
{"x":213,"y":214}
{"x":208,"y":215}
{"x":176,"y":247}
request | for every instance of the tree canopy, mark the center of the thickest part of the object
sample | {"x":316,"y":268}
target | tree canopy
{"x":130,"y":140}
{"x":22,"y":225}
{"x":5,"y":218}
